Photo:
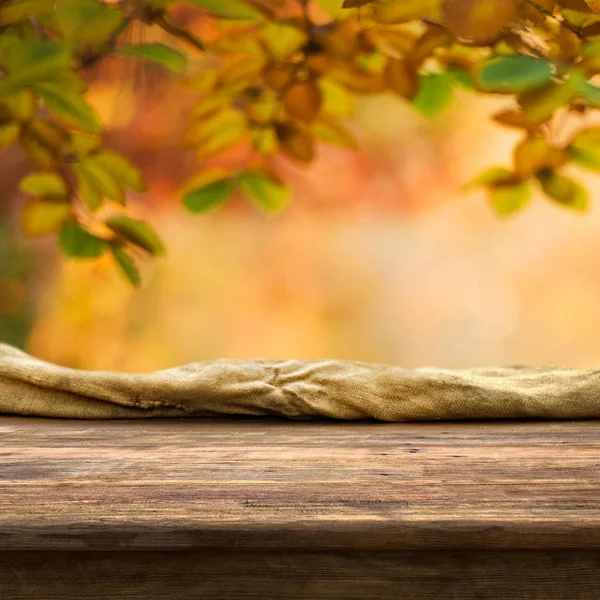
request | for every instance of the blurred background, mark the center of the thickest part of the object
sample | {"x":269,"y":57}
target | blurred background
{"x":381,"y":256}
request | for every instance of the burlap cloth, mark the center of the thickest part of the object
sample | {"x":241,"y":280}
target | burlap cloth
{"x":296,"y":389}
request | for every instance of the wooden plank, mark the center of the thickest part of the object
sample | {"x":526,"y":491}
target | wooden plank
{"x":272,"y":484}
{"x":234,"y":574}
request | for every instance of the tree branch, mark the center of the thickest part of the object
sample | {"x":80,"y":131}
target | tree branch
{"x":182,"y":34}
{"x":562,"y":22}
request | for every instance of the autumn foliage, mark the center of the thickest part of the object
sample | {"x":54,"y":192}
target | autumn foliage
{"x":277,"y":76}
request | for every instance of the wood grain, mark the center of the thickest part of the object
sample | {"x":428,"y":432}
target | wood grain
{"x":274,"y":484}
{"x":234,"y":574}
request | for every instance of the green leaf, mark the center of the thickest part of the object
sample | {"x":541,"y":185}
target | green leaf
{"x":229,"y":9}
{"x":586,"y":158}
{"x":513,"y":74}
{"x":20,"y":106}
{"x":75,"y":241}
{"x":121,"y":169}
{"x":126,"y":265}
{"x":508,"y":198}
{"x":460,"y":77}
{"x":82,"y":144}
{"x":9,"y":134}
{"x":95,"y":183}
{"x":42,"y":216}
{"x":87,"y":22}
{"x":159,"y":54}
{"x":69,"y":106}
{"x":590,"y":93}
{"x":137,"y":232}
{"x":434,"y":95}
{"x":210,"y":195}
{"x":70,"y":81}
{"x":585,"y":149}
{"x":31,"y":61}
{"x":266,"y":190}
{"x":44,"y":184}
{"x":564,"y":190}
{"x":22,"y":11}
{"x":493,"y":175}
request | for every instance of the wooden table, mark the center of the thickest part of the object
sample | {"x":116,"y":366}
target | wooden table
{"x":270,"y":509}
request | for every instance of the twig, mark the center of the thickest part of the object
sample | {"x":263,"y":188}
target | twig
{"x":182,"y":34}
{"x":562,"y":22}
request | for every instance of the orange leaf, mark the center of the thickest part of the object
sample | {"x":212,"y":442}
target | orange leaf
{"x":401,"y":78}
{"x":479,"y":20}
{"x":278,"y":77}
{"x":511,"y":118}
{"x":295,"y":141}
{"x":303,"y":101}
{"x":594,"y":5}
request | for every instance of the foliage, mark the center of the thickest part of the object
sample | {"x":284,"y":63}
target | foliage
{"x":278,"y":76}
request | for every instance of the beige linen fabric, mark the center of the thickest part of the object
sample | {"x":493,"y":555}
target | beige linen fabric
{"x":296,"y":389}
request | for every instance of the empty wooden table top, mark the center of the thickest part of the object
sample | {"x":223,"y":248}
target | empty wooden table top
{"x":269,"y":484}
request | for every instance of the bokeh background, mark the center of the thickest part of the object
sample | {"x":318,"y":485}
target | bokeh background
{"x":381,"y":256}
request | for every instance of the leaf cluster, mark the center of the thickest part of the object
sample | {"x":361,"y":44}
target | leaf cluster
{"x":278,"y":76}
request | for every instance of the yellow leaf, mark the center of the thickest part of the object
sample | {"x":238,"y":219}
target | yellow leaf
{"x":9,"y":134}
{"x":209,"y":105}
{"x":204,"y":178}
{"x":236,"y":42}
{"x":337,"y":100}
{"x":263,"y":110}
{"x":218,"y":122}
{"x":400,"y":11}
{"x":392,"y":41}
{"x":566,"y":45}
{"x":594,"y":5}
{"x":43,"y":217}
{"x":356,"y":79}
{"x":221,"y":139}
{"x":531,"y":155}
{"x":330,"y":130}
{"x":303,"y":101}
{"x":434,"y":37}
{"x":264,"y":140}
{"x":243,"y":69}
{"x":282,"y":40}
{"x":295,"y":141}
{"x":47,"y":184}
{"x":205,"y":81}
{"x":479,"y":20}
{"x":402,"y":78}
{"x":508,"y":198}
{"x":21,"y":106}
{"x":578,"y":17}
{"x":540,"y":104}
